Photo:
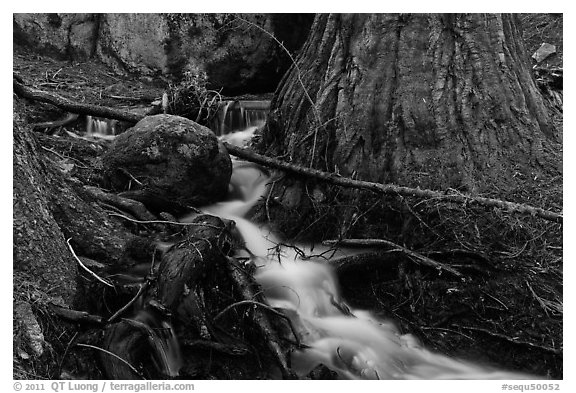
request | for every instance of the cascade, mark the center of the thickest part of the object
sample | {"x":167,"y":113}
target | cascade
{"x":239,"y":115}
{"x":101,"y":127}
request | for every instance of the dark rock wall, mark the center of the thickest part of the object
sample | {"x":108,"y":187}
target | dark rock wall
{"x":235,"y":54}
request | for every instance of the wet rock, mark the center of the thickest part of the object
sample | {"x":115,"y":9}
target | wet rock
{"x":171,"y":157}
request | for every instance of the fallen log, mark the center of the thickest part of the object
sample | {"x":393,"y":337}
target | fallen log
{"x":73,"y":106}
{"x":332,"y":178}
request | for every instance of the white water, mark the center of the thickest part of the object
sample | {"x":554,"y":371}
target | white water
{"x":353,"y":343}
{"x":101,"y":128}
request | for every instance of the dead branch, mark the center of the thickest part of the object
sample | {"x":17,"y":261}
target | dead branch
{"x":392,"y":189}
{"x":76,"y":316}
{"x":419,"y":258}
{"x":141,"y":290}
{"x":227,"y":349}
{"x":245,"y":285}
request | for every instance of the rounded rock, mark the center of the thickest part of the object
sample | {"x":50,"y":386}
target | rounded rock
{"x":171,"y":156}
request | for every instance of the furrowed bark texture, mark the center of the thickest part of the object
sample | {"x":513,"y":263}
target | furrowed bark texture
{"x":436,"y":101}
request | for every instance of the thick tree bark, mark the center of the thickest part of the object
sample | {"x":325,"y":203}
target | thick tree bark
{"x":436,"y":101}
{"x":48,"y":210}
{"x":39,"y":245}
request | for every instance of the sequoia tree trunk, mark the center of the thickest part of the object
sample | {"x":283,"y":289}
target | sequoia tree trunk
{"x":435,"y":101}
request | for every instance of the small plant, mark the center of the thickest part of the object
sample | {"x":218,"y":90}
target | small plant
{"x":191,"y":99}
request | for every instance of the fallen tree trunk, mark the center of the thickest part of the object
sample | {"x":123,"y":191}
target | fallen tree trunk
{"x":332,"y":178}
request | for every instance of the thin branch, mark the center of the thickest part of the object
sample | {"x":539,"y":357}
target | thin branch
{"x":85,"y":268}
{"x":298,"y":73}
{"x":113,"y":355}
{"x":386,"y":243}
{"x":121,"y":311}
{"x":266,"y":307}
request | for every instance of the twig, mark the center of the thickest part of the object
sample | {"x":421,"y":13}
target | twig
{"x":161,"y":221}
{"x":62,"y":157}
{"x":495,"y":299}
{"x":119,"y":312}
{"x":446,"y":330}
{"x":381,"y":242}
{"x":298,"y":73}
{"x":545,"y":304}
{"x":85,"y":268}
{"x":114,"y":355}
{"x":266,"y":307}
{"x":65,"y":353}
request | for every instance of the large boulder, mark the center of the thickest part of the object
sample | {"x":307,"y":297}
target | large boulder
{"x":170,"y":158}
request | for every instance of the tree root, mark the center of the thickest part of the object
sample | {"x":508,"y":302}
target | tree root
{"x":136,"y":208}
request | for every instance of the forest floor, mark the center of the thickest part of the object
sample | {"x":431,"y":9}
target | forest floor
{"x":508,"y":314}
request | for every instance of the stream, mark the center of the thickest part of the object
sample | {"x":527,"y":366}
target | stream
{"x":297,"y":278}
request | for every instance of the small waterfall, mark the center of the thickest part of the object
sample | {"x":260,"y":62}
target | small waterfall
{"x":238,"y":115}
{"x":101,"y":127}
{"x":353,"y":343}
{"x":163,"y":341}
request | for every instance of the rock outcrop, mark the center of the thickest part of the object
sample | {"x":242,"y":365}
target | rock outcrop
{"x":234,"y":53}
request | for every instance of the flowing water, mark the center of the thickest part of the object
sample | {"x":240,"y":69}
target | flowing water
{"x":237,"y":115}
{"x":353,"y":343}
{"x":101,"y":127}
